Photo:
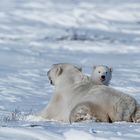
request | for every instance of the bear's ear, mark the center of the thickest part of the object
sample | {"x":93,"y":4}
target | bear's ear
{"x":94,"y":67}
{"x":80,"y":69}
{"x":111,"y":69}
{"x":59,"y":70}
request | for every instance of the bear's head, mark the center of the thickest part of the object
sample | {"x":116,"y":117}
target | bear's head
{"x":101,"y":74}
{"x":64,"y":74}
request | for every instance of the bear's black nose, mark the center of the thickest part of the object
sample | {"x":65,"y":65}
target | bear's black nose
{"x":103,"y":77}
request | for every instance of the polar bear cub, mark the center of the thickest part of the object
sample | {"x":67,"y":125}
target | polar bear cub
{"x":101,"y":75}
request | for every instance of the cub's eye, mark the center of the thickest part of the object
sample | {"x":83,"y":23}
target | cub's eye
{"x":99,"y":72}
{"x":106,"y":72}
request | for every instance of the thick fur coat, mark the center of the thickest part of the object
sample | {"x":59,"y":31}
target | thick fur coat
{"x":76,"y":98}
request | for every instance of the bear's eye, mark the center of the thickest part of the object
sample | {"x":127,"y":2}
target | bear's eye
{"x":99,"y":72}
{"x":106,"y":72}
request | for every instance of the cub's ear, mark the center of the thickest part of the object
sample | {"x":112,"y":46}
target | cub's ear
{"x":94,"y":67}
{"x":111,"y":69}
{"x":59,"y":70}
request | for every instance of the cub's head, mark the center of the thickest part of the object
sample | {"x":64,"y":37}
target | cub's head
{"x":64,"y":74}
{"x":101,"y":74}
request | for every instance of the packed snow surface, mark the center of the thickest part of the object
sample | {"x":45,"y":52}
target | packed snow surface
{"x":34,"y":34}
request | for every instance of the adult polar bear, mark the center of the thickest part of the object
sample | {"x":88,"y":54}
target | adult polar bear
{"x":73,"y":89}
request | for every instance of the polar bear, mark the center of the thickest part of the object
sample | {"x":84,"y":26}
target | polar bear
{"x":73,"y":90}
{"x":101,"y":75}
{"x":103,"y":103}
{"x":62,"y":76}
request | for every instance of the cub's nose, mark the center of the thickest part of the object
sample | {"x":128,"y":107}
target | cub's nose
{"x":103,"y":77}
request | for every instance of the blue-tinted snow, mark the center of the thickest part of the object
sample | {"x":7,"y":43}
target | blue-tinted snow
{"x":36,"y":34}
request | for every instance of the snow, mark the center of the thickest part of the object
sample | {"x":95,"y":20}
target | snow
{"x":36,"y":34}
{"x":75,"y":134}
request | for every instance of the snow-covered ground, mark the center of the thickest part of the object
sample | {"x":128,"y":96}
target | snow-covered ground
{"x":34,"y":34}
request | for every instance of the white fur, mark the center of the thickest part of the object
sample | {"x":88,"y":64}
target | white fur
{"x":73,"y":90}
{"x":101,"y":75}
{"x":63,"y":77}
